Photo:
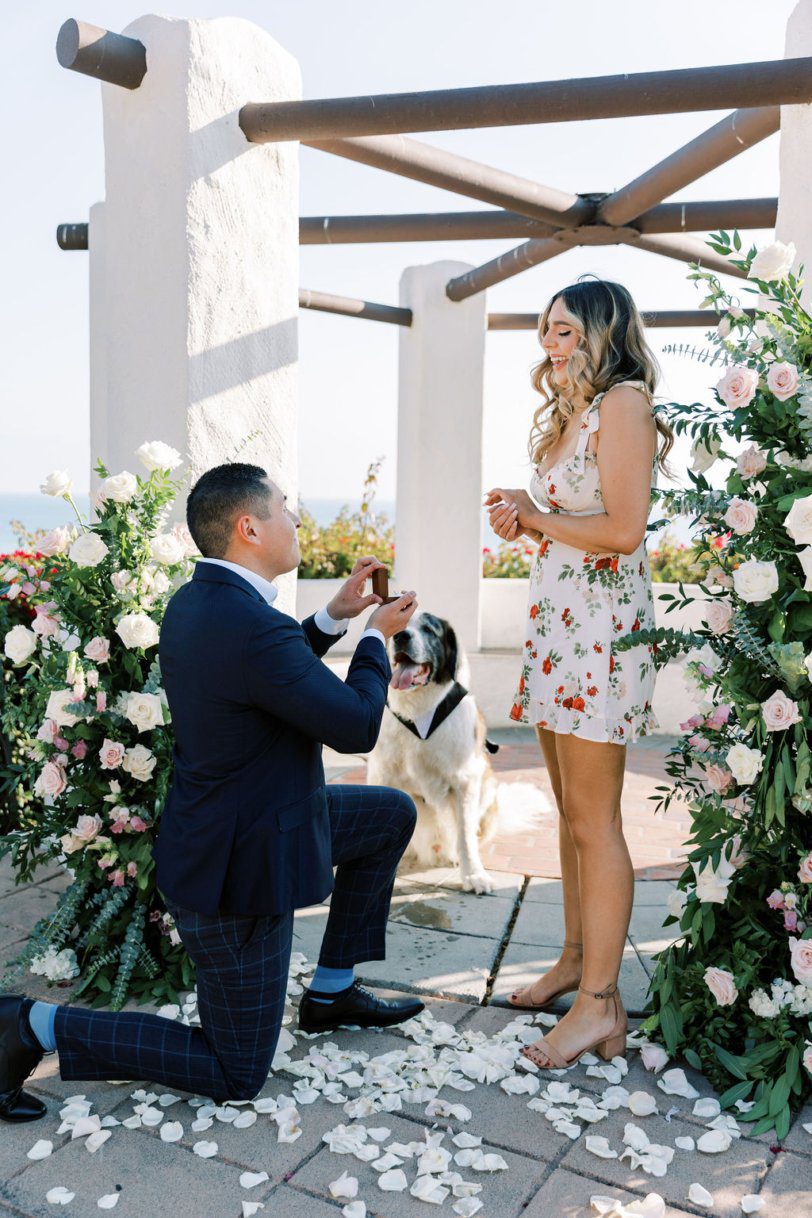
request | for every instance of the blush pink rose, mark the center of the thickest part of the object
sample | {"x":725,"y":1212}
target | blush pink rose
{"x":120,"y":820}
{"x":51,"y":780}
{"x":699,"y":744}
{"x":690,"y":724}
{"x":741,"y":516}
{"x":98,"y":650}
{"x":782,"y":381}
{"x":801,"y":960}
{"x":87,"y":827}
{"x":44,"y":624}
{"x":79,"y":750}
{"x":779,"y":712}
{"x":751,"y":462}
{"x":738,"y":386}
{"x":137,"y":824}
{"x":805,"y":870}
{"x":718,"y":615}
{"x":722,"y":985}
{"x":101,"y":702}
{"x":776,"y":899}
{"x":111,"y":754}
{"x":718,"y":778}
{"x":60,"y":743}
{"x":132,"y":870}
{"x":116,"y":878}
{"x":48,"y":731}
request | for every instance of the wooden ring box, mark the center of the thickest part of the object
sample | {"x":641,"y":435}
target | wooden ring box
{"x":380,"y":586}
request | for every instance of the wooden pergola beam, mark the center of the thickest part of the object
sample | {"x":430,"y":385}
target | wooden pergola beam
{"x":722,"y":87}
{"x":657,"y":319}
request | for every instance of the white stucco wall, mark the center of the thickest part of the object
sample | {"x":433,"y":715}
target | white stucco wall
{"x":438,"y":530}
{"x":195,"y":278}
{"x":794,"y":219}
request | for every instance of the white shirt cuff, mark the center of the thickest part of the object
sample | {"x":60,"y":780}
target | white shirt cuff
{"x":328,"y":625}
{"x":372,"y":633}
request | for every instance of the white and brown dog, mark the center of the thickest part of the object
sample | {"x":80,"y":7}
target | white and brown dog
{"x":433,"y":745}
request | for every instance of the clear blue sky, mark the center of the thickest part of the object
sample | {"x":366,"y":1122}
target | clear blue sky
{"x":54,"y":158}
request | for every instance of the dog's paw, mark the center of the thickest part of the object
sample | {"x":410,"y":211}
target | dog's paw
{"x":477,"y":881}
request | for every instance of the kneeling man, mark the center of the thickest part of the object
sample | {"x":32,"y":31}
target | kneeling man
{"x":250,"y":832}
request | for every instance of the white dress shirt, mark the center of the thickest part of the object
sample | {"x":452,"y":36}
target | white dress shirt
{"x":325,"y":623}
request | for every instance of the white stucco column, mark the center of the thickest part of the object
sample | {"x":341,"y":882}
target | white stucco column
{"x":438,"y":532}
{"x":794,"y":220}
{"x":199,"y":283}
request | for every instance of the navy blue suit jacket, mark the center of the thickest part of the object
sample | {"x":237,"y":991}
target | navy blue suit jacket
{"x":245,"y":827}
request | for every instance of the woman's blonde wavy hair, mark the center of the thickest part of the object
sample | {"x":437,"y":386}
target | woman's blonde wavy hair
{"x":613,"y":349}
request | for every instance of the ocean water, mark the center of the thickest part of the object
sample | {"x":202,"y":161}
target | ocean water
{"x":37,"y":511}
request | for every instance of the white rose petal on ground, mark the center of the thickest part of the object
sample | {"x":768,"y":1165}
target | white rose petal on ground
{"x":168,"y":1099}
{"x":387,"y":1162}
{"x":467,"y":1207}
{"x":151,"y":1117}
{"x":674,"y":1082}
{"x":172,"y":1131}
{"x":206,"y":1150}
{"x":59,"y":1196}
{"x":345,"y":1186}
{"x":599,"y":1146}
{"x":109,"y":1201}
{"x":751,"y":1203}
{"x":245,"y":1120}
{"x":249,"y":1208}
{"x":97,"y":1139}
{"x":379,"y":1134}
{"x":85,"y":1126}
{"x":699,"y":1195}
{"x":714,"y":1142}
{"x":356,"y":1209}
{"x":707,"y":1106}
{"x":393,"y":1181}
{"x":201,"y":1124}
{"x":463,"y":1140}
{"x":642,"y":1104}
{"x":685,"y":1143}
{"x":134,"y":1122}
{"x":250,"y":1179}
{"x":40,"y":1150}
{"x":491,"y":1162}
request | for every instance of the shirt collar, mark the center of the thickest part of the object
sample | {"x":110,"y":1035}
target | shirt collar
{"x":263,"y":586}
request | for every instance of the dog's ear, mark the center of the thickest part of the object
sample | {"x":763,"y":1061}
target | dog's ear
{"x":451,"y":653}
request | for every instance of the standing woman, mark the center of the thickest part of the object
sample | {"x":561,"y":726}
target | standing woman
{"x":594,"y":448}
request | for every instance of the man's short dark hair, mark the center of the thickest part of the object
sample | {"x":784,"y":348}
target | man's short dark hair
{"x":221,"y":495}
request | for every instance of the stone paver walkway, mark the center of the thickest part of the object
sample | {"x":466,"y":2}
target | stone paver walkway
{"x":464,"y":953}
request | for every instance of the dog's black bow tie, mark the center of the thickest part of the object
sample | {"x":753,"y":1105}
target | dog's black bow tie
{"x":449,"y":703}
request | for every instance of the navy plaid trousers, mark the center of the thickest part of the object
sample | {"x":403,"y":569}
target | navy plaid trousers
{"x":241,"y":964}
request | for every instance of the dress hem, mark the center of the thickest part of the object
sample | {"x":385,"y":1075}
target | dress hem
{"x":562,"y":722}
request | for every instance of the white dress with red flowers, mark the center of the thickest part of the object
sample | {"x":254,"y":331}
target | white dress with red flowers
{"x":573,"y":681}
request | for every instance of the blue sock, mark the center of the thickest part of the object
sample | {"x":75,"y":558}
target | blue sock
{"x":330,"y":981}
{"x":42,"y":1017}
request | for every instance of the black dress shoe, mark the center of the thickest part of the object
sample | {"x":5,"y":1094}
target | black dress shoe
{"x":18,"y":1057}
{"x":357,"y":1007}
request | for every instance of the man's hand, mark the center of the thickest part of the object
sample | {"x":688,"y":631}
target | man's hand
{"x":389,"y":619}
{"x":350,"y":600}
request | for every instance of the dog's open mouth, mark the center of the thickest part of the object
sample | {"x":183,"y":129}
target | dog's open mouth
{"x":407,"y":672}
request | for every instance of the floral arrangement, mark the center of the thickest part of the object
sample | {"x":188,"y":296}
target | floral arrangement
{"x":93,"y":742}
{"x":734,"y":993}
{"x":330,"y":552}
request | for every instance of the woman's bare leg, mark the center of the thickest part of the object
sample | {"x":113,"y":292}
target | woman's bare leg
{"x":591,"y":785}
{"x":566,"y":972}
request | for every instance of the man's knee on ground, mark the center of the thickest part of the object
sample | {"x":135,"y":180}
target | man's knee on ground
{"x":246,"y":1086}
{"x":406,"y":809}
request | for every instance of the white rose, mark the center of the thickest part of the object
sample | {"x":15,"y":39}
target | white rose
{"x":20,"y":644}
{"x":722,"y":985}
{"x":751,"y":462}
{"x":677,"y":900}
{"x":121,"y":488}
{"x":181,"y":531}
{"x":808,"y":665}
{"x":805,"y":559}
{"x":139,"y":763}
{"x":755,"y":581}
{"x":154,"y":454}
{"x":144,"y":710}
{"x":58,"y":482}
{"x":808,"y":1057}
{"x":57,"y":541}
{"x":703,"y":456}
{"x":167,"y":549}
{"x":773,"y":262}
{"x":88,"y":550}
{"x":779,"y":712}
{"x":762,"y":1005}
{"x":138,"y":630}
{"x":157,"y":581}
{"x":55,"y":710}
{"x":798,"y":521}
{"x":712,"y":882}
{"x":744,"y":764}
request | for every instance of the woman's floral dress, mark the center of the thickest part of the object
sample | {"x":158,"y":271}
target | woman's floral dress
{"x":573,"y":681}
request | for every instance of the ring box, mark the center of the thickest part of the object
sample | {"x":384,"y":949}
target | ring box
{"x":380,"y":585}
